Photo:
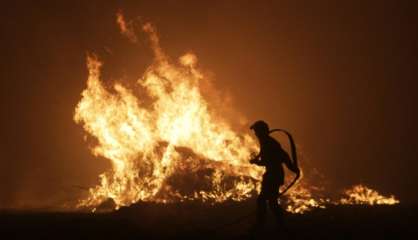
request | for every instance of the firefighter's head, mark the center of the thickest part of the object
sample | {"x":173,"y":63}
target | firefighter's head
{"x":260,"y":128}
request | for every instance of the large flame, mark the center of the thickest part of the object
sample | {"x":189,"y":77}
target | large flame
{"x":149,"y":143}
{"x":167,"y":145}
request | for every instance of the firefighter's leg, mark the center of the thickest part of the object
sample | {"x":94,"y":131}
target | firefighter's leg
{"x":261,"y":210}
{"x":260,"y":216}
{"x":277,"y":210}
{"x":262,"y":202}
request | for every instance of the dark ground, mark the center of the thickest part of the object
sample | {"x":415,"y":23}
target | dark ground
{"x":198,"y":221}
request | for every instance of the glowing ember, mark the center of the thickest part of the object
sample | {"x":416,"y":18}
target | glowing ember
{"x":166,"y":145}
{"x":360,"y":194}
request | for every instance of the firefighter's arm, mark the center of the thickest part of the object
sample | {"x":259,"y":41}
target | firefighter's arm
{"x":256,"y":160}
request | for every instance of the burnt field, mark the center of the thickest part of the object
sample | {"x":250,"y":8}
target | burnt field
{"x":202,"y":221}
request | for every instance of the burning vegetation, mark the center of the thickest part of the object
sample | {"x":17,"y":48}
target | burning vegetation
{"x":168,"y":145}
{"x":360,"y":194}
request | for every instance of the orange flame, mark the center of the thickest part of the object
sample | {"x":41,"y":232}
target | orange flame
{"x":125,"y":28}
{"x":360,"y":194}
{"x":144,"y":143}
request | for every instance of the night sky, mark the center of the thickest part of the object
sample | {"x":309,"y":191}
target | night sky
{"x":342,"y":77}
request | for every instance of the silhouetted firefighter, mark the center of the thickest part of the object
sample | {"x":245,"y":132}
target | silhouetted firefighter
{"x":272,"y":156}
